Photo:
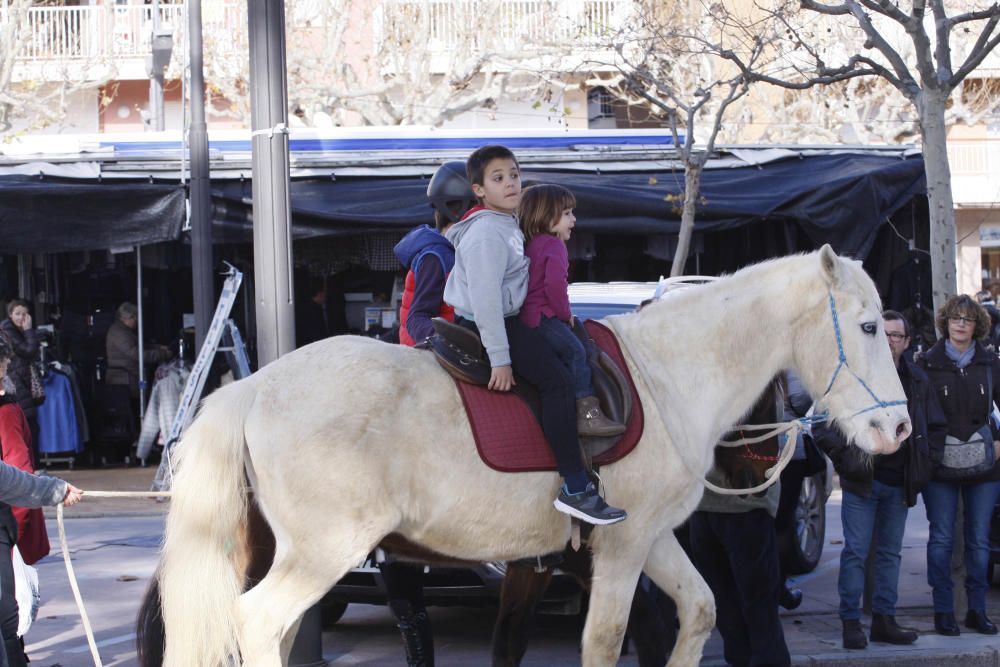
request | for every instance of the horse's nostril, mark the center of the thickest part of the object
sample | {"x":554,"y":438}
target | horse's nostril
{"x":902,"y":429}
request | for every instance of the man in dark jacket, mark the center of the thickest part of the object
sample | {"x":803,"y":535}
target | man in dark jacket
{"x":885,"y":488}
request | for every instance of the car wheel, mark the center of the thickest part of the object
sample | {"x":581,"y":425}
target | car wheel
{"x":330,"y":612}
{"x":805,"y":550}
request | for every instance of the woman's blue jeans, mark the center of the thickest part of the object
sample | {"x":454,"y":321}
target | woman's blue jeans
{"x":941,"y":501}
{"x":858,"y":513}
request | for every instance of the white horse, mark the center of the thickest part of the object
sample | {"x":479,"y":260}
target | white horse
{"x":349,"y":439}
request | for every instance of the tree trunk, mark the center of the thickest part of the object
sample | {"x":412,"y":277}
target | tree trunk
{"x":692,"y":183}
{"x":944,"y":281}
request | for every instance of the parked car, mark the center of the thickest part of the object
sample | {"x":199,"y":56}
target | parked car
{"x":459,"y":584}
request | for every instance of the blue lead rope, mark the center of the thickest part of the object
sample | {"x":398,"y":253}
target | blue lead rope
{"x":842,"y":363}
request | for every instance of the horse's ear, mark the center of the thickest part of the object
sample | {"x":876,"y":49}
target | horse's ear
{"x":831,"y":264}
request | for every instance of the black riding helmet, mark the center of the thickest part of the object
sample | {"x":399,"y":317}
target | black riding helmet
{"x":449,"y":185}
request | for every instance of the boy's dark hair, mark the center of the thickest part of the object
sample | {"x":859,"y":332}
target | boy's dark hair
{"x":475,"y":166}
{"x":542,"y":205}
{"x":892,"y":315}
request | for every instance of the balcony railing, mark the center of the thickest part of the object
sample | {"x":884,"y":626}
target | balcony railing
{"x":518,"y":22}
{"x":113,"y":31}
{"x":975,"y":171}
{"x":123,"y":31}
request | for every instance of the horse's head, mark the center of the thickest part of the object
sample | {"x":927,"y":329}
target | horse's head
{"x":842,"y":356}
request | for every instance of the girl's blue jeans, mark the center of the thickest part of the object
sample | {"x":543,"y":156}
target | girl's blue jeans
{"x":570,"y":351}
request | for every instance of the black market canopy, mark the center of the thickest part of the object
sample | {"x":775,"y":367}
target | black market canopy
{"x":626,"y":184}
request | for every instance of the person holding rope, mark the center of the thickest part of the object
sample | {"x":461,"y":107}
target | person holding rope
{"x":733,"y":545}
{"x":877,"y":495}
{"x":23,"y":490}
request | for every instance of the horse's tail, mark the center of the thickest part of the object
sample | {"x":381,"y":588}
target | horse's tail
{"x":149,"y":635}
{"x":200,"y":578}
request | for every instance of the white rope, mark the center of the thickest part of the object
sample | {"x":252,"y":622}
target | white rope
{"x":69,"y":564}
{"x":773,"y":473}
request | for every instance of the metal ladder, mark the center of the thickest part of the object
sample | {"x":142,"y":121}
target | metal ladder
{"x":223,"y":336}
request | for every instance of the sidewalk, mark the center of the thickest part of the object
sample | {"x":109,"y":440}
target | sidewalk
{"x":812,"y":631}
{"x":110,"y":479}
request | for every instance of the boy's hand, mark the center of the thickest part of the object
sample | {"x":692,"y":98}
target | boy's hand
{"x":501,"y":379}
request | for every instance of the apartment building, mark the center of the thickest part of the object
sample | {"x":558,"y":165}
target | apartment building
{"x":84,"y":38}
{"x":88,"y":39}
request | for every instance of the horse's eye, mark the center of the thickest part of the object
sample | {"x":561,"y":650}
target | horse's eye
{"x":869,"y":328}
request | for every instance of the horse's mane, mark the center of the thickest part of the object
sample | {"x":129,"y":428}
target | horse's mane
{"x":769,"y":269}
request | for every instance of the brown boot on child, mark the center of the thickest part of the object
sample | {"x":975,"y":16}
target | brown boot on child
{"x":590,"y":421}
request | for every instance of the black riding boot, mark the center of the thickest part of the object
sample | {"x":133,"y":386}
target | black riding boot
{"x":415,"y":628}
{"x":15,"y":652}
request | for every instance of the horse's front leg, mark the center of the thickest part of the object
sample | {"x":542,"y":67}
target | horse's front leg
{"x":522,"y":588}
{"x":616,"y":573}
{"x":671,"y":569}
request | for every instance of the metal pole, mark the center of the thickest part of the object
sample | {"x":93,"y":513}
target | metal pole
{"x":201,"y":205}
{"x":272,"y":244}
{"x":272,"y":239}
{"x":142,"y":338}
{"x":158,"y":122}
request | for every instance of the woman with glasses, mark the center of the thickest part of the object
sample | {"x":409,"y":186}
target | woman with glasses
{"x":966,"y":377}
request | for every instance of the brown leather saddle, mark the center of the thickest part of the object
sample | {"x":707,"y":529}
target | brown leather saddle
{"x":461,"y":353}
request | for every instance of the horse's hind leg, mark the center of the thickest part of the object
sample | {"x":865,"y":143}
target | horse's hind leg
{"x":671,"y":569}
{"x":270,"y":612}
{"x":522,"y":589}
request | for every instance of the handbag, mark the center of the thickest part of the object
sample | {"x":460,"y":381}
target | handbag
{"x":37,"y":387}
{"x":972,"y":457}
{"x":34,"y":541}
{"x":26,"y":592}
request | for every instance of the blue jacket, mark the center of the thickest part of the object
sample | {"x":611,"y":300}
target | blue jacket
{"x":428,"y":278}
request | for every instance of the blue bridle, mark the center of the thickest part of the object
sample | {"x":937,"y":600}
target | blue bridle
{"x":842,"y":363}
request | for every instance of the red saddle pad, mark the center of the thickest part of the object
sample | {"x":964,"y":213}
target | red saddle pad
{"x":510,"y":439}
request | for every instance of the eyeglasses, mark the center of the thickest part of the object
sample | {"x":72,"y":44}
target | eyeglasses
{"x":898,"y":337}
{"x":958,"y":319}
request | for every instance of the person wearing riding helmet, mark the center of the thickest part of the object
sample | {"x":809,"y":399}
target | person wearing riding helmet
{"x":429,"y":256}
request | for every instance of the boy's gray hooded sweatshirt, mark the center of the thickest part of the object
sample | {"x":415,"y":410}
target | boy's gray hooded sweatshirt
{"x":490,"y":278}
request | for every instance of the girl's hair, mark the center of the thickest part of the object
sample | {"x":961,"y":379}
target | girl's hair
{"x":541,"y":206}
{"x":963,"y":305}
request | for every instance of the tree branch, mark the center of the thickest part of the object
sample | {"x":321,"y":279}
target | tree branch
{"x":978,"y":53}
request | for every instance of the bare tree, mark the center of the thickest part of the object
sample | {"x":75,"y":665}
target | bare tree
{"x":34,"y":94}
{"x":689,"y":63}
{"x":923,"y":52}
{"x":395,"y":62}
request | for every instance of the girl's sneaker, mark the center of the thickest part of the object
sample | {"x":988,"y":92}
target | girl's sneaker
{"x":589,"y":506}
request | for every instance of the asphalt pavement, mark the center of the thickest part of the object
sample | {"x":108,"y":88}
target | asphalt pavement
{"x":114,"y":546}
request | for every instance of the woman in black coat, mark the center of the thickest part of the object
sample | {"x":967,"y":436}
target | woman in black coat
{"x":19,"y":332}
{"x":966,"y":377}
